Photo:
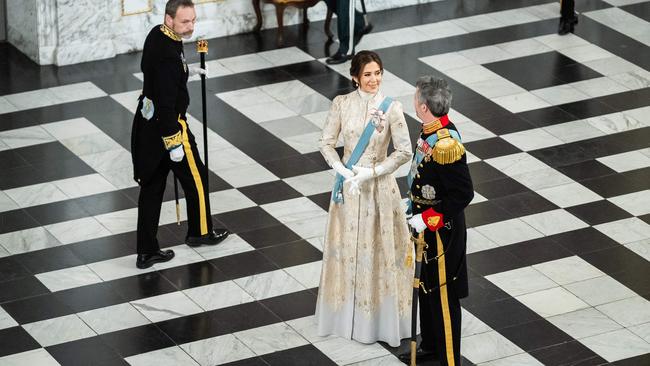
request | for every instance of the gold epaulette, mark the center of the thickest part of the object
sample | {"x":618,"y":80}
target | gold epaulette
{"x":173,"y":140}
{"x":170,"y":33}
{"x":447,"y":150}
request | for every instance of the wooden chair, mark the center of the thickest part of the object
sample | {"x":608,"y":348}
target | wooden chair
{"x":280,"y":5}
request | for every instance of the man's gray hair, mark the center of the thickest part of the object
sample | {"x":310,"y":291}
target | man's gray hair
{"x":435,"y":94}
{"x":173,"y":5}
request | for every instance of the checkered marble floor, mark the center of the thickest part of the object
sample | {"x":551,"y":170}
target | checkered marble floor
{"x":558,"y":135}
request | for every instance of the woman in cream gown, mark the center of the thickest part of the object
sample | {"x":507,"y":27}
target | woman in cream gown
{"x":367,"y":275}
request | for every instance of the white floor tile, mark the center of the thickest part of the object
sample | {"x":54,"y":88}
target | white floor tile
{"x":568,"y":195}
{"x":509,"y":232}
{"x":344,"y":352}
{"x":554,"y":222}
{"x":229,"y":157}
{"x":246,"y":175}
{"x":495,"y":88}
{"x":443,"y":29}
{"x":628,"y":312}
{"x":560,"y":94}
{"x":612,"y":66}
{"x":485,"y":54}
{"x":38,"y":357}
{"x":558,"y":42}
{"x":598,"y":87}
{"x":218,"y":295}
{"x":636,"y":203}
{"x":70,"y":277}
{"x":270,"y":338}
{"x":532,"y":139}
{"x":6,"y":321}
{"x":641,"y":247}
{"x":113,"y":318}
{"x":37,"y":194}
{"x":626,"y":230}
{"x":472,"y":325}
{"x":217,"y":350}
{"x":285,"y":90}
{"x":262,"y":112}
{"x":308,"y":329}
{"x":627,"y":161}
{"x":183,"y":254}
{"x":58,"y":330}
{"x":477,"y":242}
{"x":447,"y":61}
{"x":633,"y":80}
{"x":121,"y":267}
{"x":286,"y":56}
{"x":584,"y":323}
{"x":6,"y":107}
{"x":521,"y":102}
{"x":84,"y":185}
{"x":305,"y":143}
{"x":515,"y":164}
{"x":307,"y":274}
{"x":244,"y":63}
{"x":568,"y":270}
{"x":28,"y":240}
{"x":600,"y":290}
{"x":269,"y":284}
{"x":70,"y":128}
{"x":167,"y":306}
{"x":312,"y":183}
{"x":552,"y":302}
{"x":522,"y":359}
{"x":172,"y":356}
{"x":617,"y":345}
{"x":488,"y":346}
{"x":642,"y":331}
{"x":93,"y":143}
{"x":232,"y":245}
{"x":79,"y":91}
{"x":228,"y":200}
{"x":615,"y":122}
{"x":123,"y":221}
{"x":295,"y":209}
{"x":472,"y":74}
{"x":477,"y":23}
{"x":521,"y":281}
{"x":471,"y":131}
{"x":574,"y":131}
{"x":309,"y":228}
{"x":26,"y":136}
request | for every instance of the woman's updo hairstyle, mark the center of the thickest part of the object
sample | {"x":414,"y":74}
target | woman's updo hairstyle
{"x":360,"y":60}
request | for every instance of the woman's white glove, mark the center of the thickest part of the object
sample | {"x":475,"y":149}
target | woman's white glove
{"x":196,"y":70}
{"x":417,"y":223}
{"x":177,"y":153}
{"x":361,"y":175}
{"x":342,"y":170}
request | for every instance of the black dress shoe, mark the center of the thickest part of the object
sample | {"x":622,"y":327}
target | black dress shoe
{"x":420,"y":356}
{"x":338,"y":58}
{"x":567,"y":25}
{"x":213,"y":238}
{"x":148,"y":260}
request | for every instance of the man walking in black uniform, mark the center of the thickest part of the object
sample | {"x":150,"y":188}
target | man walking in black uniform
{"x":568,"y":17}
{"x":350,"y":26}
{"x":440,"y":189}
{"x":161,"y":140}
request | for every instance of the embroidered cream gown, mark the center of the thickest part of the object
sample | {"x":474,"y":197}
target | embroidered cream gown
{"x":366,"y":280}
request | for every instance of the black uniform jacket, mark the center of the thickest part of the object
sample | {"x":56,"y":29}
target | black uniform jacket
{"x":165,"y":84}
{"x":447,"y":189}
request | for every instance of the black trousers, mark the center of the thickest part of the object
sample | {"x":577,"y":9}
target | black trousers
{"x":191,"y":174}
{"x":567,"y":9}
{"x":346,"y":24}
{"x":440,"y":312}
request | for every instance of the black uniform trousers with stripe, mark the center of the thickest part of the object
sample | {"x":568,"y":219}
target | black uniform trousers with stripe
{"x":191,"y":174}
{"x":440,"y":311}
{"x":347,"y":25}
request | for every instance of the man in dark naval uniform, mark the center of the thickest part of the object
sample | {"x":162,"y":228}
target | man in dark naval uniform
{"x":440,"y":189}
{"x":161,"y":140}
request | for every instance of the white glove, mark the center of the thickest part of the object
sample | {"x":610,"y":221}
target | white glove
{"x":417,"y":223}
{"x":196,"y":70}
{"x":341,"y":169}
{"x":177,"y":153}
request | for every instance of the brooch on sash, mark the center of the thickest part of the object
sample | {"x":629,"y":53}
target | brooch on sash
{"x":378,"y":119}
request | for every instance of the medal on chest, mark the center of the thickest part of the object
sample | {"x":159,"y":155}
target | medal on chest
{"x":428,"y":192}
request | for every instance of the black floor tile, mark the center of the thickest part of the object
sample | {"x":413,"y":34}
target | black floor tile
{"x":292,"y":306}
{"x":492,"y":261}
{"x":323,"y":200}
{"x":193,"y":275}
{"x":569,"y":353}
{"x":36,"y":308}
{"x":618,"y":259}
{"x":142,"y":286}
{"x":292,"y":254}
{"x":645,"y":218}
{"x":633,"y":279}
{"x":133,"y":341}
{"x":216,"y":323}
{"x":50,"y":152}
{"x":535,"y":335}
{"x":83,"y":352}
{"x":105,"y":202}
{"x":504,"y":124}
{"x":586,"y":169}
{"x":587,"y":108}
{"x":269,"y":192}
{"x":561,"y":155}
{"x":292,"y":166}
{"x":584,"y":241}
{"x":100,"y":249}
{"x":10,"y":159}
{"x":243,"y":264}
{"x":51,"y":213}
{"x":548,"y":116}
{"x":269,"y":236}
{"x":90,"y":297}
{"x":307,"y":355}
{"x":598,"y":212}
{"x":485,"y":212}
{"x":21,"y":288}
{"x":538,"y":251}
{"x":634,"y":361}
{"x":16,"y":220}
{"x":612,"y":185}
{"x":491,"y":148}
{"x":523,"y":204}
{"x":500,"y":188}
{"x":481,"y":171}
{"x":11,"y":269}
{"x":16,"y":340}
{"x":641,"y":10}
{"x":504,"y":313}
{"x":49,"y":259}
{"x":246,"y":219}
{"x":559,"y":69}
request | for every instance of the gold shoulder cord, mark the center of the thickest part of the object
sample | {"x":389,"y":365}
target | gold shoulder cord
{"x":170,"y":33}
{"x":447,"y":150}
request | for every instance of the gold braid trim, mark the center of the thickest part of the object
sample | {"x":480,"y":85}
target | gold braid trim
{"x":173,"y":141}
{"x":170,"y":33}
{"x":447,"y":150}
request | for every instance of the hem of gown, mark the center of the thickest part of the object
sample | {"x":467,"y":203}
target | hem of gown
{"x":365,"y":341}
